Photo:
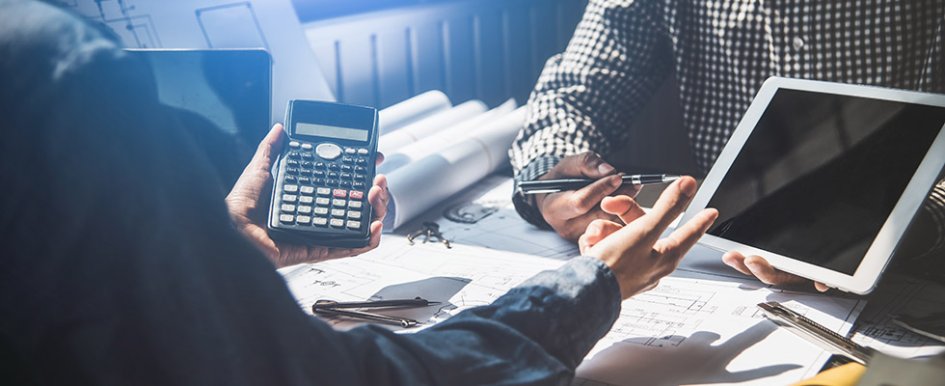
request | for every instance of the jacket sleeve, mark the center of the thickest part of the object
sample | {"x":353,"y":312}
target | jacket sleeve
{"x":586,"y":96}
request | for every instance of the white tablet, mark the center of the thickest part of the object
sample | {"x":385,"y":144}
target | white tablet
{"x":822,"y":179}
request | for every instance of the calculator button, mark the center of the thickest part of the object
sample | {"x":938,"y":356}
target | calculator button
{"x":354,"y":214}
{"x":337,"y":213}
{"x":294,"y":154}
{"x":305,"y":181}
{"x":323,"y":191}
{"x":320,"y":211}
{"x":303,"y":220}
{"x":362,"y":161}
{"x":319,"y":173}
{"x":307,"y":156}
{"x":354,"y":204}
{"x":346,"y":168}
{"x":322,"y":201}
{"x":345,"y":176}
{"x":292,"y":163}
{"x":306,"y":146}
{"x":289,"y":198}
{"x":290,"y":188}
{"x":333,"y":175}
{"x":287,"y":218}
{"x":360,"y":169}
{"x":350,"y":150}
{"x":347,"y":160}
{"x":338,"y":202}
{"x":307,"y":164}
{"x":306,"y":200}
{"x":320,"y":165}
{"x":334,"y":167}
{"x":294,"y":144}
{"x":340,"y":193}
{"x":288,"y":208}
{"x":308,"y":190}
{"x":358,"y":184}
{"x":305,"y":209}
{"x":362,"y":152}
{"x":356,"y":195}
{"x":328,"y":151}
{"x":354,"y":224}
{"x":331,"y":182}
{"x":291,"y":179}
{"x":359,"y":177}
{"x":337,"y":223}
{"x":320,"y":221}
{"x":291,"y":170}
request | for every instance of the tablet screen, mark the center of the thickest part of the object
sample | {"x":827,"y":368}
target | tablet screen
{"x":820,"y":173}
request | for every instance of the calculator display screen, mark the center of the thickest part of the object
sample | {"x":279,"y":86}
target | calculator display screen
{"x":316,"y":130}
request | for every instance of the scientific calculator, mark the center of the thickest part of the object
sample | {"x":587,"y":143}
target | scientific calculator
{"x":323,"y":174}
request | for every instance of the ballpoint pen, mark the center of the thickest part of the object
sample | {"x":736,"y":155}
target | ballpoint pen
{"x":331,"y":307}
{"x":554,"y":186}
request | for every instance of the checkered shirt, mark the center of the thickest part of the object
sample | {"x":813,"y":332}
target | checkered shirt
{"x":721,"y":52}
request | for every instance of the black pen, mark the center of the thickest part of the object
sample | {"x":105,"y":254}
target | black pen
{"x":555,"y":186}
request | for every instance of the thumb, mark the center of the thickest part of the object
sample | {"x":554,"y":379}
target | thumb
{"x":588,"y":164}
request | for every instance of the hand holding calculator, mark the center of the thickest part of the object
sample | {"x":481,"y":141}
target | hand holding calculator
{"x":323,"y":174}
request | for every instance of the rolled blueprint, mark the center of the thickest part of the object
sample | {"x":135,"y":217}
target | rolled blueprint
{"x":412,"y":110}
{"x":426,"y":127}
{"x":421,"y":184}
{"x":443,"y":138}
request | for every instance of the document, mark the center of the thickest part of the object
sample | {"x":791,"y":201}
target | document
{"x":424,"y":183}
{"x":200,"y":24}
{"x":686,"y":331}
{"x":412,"y":110}
{"x":431,"y":125}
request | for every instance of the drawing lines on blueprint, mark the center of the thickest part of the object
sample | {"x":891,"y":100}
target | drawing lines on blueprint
{"x":119,"y":15}
{"x":899,"y":295}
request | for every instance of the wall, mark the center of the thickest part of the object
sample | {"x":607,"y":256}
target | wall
{"x":479,"y":49}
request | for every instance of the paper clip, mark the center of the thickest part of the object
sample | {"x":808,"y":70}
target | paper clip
{"x":430,"y":233}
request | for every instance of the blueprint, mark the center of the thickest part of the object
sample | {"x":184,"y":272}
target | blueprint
{"x":900,"y":295}
{"x":200,"y":24}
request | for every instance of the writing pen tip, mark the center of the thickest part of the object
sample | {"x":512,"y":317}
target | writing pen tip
{"x":670,"y":178}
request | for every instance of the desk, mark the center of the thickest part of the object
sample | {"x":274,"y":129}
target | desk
{"x":701,"y":318}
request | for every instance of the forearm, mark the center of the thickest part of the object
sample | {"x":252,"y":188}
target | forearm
{"x":536,"y":334}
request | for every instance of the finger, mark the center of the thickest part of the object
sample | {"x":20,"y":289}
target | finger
{"x":624,"y":207}
{"x":767,"y":273}
{"x":821,"y":286}
{"x":587,"y":164}
{"x":675,"y":246}
{"x":270,"y":145}
{"x":670,"y":205}
{"x":379,"y":197}
{"x":598,"y":230}
{"x":736,"y":260}
{"x":376,"y":229}
{"x":380,"y":159}
{"x":569,"y":205}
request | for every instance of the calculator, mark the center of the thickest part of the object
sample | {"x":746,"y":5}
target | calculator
{"x":323,"y":174}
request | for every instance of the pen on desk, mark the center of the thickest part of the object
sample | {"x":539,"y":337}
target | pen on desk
{"x":555,"y":186}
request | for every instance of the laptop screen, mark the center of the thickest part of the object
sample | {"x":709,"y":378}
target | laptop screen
{"x":820,"y":173}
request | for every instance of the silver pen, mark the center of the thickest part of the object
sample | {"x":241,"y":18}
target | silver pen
{"x":555,"y":186}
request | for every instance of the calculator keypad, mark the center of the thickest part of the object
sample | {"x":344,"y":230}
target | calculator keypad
{"x":324,"y":185}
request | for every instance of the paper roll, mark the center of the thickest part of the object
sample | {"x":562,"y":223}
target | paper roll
{"x":411,"y":110}
{"x":443,"y":139}
{"x":424,"y":128}
{"x":420,"y":185}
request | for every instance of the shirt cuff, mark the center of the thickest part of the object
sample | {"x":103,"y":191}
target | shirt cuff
{"x":525,"y":204}
{"x":578,"y":304}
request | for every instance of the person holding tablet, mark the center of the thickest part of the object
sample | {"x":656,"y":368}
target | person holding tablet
{"x":720,"y":53}
{"x":123,"y":265}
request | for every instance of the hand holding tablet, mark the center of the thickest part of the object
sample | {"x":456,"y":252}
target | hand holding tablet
{"x":822,"y":179}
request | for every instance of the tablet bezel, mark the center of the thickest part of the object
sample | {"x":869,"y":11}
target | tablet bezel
{"x":880,"y":252}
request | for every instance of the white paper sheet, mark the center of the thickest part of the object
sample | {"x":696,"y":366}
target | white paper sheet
{"x":429,"y":126}
{"x":269,"y":24}
{"x":686,"y":331}
{"x":412,"y":110}
{"x":443,"y":139}
{"x":426,"y":182}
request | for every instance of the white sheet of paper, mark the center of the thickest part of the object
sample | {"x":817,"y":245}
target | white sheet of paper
{"x":422,"y":184}
{"x":686,"y":331}
{"x":200,"y":24}
{"x":443,"y":138}
{"x":429,"y":126}
{"x":412,"y":110}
